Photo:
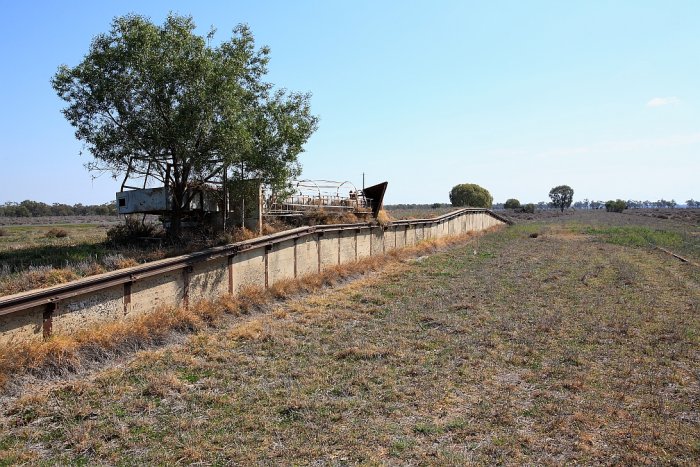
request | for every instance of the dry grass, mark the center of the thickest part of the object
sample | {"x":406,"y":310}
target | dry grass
{"x":560,"y":349}
{"x":62,"y":354}
{"x":383,"y":217}
{"x":36,"y":277}
{"x":56,"y":233}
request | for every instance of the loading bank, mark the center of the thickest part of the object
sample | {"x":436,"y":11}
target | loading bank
{"x":263,"y":261}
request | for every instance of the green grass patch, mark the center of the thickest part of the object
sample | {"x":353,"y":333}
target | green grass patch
{"x":636,"y":236}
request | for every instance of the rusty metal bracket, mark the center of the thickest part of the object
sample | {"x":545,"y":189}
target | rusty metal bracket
{"x":47,"y":319}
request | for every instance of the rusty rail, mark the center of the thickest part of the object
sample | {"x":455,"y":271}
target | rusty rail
{"x":52,"y":295}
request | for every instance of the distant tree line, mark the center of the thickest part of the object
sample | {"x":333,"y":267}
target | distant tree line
{"x":636,"y":204}
{"x":30,"y":208}
{"x":593,"y":204}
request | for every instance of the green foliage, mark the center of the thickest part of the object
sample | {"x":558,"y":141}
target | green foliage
{"x":615,"y":206}
{"x":470,"y":194}
{"x":691,"y":203}
{"x":511,"y":203}
{"x":159,"y":100}
{"x":528,"y":208}
{"x":561,"y":196}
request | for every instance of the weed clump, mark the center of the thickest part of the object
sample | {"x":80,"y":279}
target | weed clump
{"x":118,"y":261}
{"x":56,"y":233}
{"x":132,"y":231}
{"x":383,"y":218}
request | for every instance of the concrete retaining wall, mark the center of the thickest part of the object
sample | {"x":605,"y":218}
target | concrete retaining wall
{"x":262,"y":265}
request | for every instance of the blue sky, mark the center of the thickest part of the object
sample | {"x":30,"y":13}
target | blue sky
{"x":515,"y":96}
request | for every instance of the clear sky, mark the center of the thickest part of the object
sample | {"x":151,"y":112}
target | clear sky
{"x":517,"y":96}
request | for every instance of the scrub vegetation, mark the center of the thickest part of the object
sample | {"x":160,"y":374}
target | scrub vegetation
{"x":555,"y":341}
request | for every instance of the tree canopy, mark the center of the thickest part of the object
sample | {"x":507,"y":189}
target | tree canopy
{"x":470,"y":194}
{"x":561,"y":196}
{"x":511,"y":203}
{"x":159,"y":101}
{"x":615,"y":206}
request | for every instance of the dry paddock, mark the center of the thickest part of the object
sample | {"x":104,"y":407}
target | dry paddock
{"x":549,"y":350}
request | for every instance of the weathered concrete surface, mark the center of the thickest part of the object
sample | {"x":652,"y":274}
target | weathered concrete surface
{"x":249,"y":269}
{"x":363,"y":244}
{"x":400,"y":236}
{"x":329,"y":250}
{"x":307,"y":256}
{"x":420,"y":233}
{"x":280,"y":262}
{"x":389,"y":239}
{"x":347,"y":247}
{"x":76,"y":313}
{"x":153,"y":292}
{"x":208,"y":279}
{"x":26,"y":325}
{"x":410,"y":235}
{"x":377,"y":241}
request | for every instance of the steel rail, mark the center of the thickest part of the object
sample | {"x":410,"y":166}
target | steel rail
{"x":37,"y":297}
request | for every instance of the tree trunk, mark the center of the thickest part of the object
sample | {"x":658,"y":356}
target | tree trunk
{"x":175,"y":230}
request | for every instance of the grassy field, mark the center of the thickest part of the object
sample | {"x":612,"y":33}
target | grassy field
{"x":22,"y":246}
{"x":570,"y":347}
{"x":33,"y":256}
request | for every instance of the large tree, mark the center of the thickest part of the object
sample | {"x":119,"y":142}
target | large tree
{"x":561,"y":196}
{"x":470,"y":194}
{"x":160,"y":101}
{"x":512,"y":203}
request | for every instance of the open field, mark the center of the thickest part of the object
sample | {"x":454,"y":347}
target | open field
{"x":577,"y":346}
{"x":51,"y":220}
{"x":653,"y":218}
{"x":21,"y":246}
{"x":674,"y":229}
{"x":34,"y":256}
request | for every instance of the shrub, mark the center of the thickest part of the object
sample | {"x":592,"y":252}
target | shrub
{"x":470,"y":194}
{"x":383,"y":218}
{"x":4,"y":232}
{"x":132,"y":230}
{"x":512,"y":203}
{"x":615,"y":206}
{"x":528,"y":208}
{"x":56,"y":233}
